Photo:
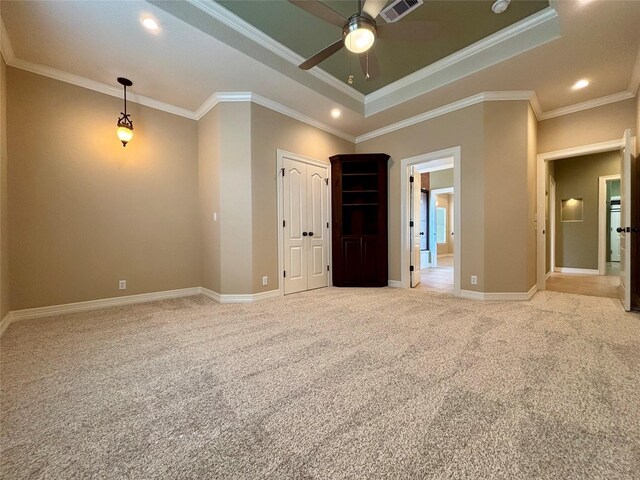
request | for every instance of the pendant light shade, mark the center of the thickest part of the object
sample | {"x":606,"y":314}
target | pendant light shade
{"x":125,"y":125}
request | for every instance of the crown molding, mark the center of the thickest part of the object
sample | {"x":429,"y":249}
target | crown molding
{"x":523,"y":95}
{"x":98,"y":87}
{"x":5,"y":45}
{"x":578,"y":107}
{"x":244,"y":28}
{"x":542,"y":26}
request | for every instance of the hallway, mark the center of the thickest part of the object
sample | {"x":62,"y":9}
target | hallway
{"x":439,"y":279}
{"x":592,"y":285}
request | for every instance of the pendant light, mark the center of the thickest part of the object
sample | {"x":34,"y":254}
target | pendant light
{"x":125,"y":125}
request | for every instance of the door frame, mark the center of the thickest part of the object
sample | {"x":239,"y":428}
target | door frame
{"x":280,"y":155}
{"x":438,"y":160}
{"x":541,"y":173}
{"x":602,"y":221}
{"x":552,"y":226}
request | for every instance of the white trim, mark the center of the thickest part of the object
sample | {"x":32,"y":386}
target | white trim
{"x":249,"y":297}
{"x":577,"y":271}
{"x":552,"y":225}
{"x":260,"y":38}
{"x":39,"y":312}
{"x":541,"y":173}
{"x":215,"y":296}
{"x":98,"y":87}
{"x":578,"y":107}
{"x":453,"y":153}
{"x":602,"y":222}
{"x":4,"y":324}
{"x":503,"y":296}
{"x":394,"y":283}
{"x":548,"y":274}
{"x":289,"y":112}
{"x":534,"y":30}
{"x":443,"y":110}
{"x":280,"y":154}
{"x":5,"y":44}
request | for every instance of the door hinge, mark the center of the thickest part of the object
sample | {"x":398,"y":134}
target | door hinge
{"x":327,"y":268}
{"x":326,"y":181}
{"x":327,"y":224}
{"x":285,"y":274}
{"x":411,"y":268}
{"x":411,"y":223}
{"x":282,"y":170}
{"x":411,"y":179}
{"x":284,"y":223}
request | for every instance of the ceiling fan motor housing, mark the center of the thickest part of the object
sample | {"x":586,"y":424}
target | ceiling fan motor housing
{"x":359,"y":33}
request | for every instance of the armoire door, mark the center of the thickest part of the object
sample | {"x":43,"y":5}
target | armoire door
{"x":305,"y":205}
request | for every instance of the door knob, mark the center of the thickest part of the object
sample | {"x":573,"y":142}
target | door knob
{"x":311,"y":234}
{"x":421,"y":233}
{"x":619,"y":229}
{"x":304,"y":234}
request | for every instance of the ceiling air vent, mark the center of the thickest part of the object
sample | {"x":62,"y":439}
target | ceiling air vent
{"x":399,"y":9}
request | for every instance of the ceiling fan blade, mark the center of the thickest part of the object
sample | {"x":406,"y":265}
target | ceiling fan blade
{"x":410,"y":31}
{"x":373,"y":7}
{"x":321,"y":11}
{"x":369,"y":64}
{"x":322,"y":55}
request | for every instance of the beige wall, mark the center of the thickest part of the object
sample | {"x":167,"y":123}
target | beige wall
{"x":588,"y":126}
{"x":465,"y":128}
{"x":4,"y":212}
{"x":577,"y":177}
{"x":271,"y":131}
{"x":638,"y":122}
{"x":532,"y":151}
{"x":441,"y":179}
{"x":508,"y":219}
{"x":209,"y":197}
{"x":86,"y":212}
{"x":236,"y":211}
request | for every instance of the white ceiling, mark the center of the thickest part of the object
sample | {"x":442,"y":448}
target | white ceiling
{"x":196,"y":55}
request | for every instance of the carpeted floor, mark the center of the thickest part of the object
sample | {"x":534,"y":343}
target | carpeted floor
{"x":334,"y":383}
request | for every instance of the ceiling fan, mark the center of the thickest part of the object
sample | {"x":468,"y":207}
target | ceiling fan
{"x":360,"y":31}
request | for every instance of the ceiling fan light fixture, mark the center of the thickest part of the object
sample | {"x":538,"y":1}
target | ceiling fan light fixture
{"x":359,"y":34}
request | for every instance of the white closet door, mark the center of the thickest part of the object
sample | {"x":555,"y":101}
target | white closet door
{"x":317,"y":218}
{"x":295,"y":218}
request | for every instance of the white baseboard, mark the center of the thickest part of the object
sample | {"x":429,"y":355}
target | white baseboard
{"x":30,"y":313}
{"x":39,"y":312}
{"x":505,"y":296}
{"x":577,"y":271}
{"x":395,"y":283}
{"x":546,"y":277}
{"x":5,"y":323}
{"x":248,"y":297}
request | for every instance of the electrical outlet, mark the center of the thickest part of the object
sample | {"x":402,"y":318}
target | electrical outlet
{"x":122,"y":285}
{"x":265,"y":280}
{"x":474,"y":280}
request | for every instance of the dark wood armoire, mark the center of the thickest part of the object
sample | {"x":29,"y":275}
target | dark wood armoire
{"x":359,"y":220}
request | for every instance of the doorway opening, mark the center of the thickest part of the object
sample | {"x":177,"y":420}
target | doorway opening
{"x":430,"y":213}
{"x":576,"y":193}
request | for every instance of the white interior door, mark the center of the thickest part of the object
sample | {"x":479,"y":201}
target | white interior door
{"x":305,"y":194}
{"x":295,"y":222}
{"x":625,"y":220}
{"x":317,"y":223}
{"x":615,"y":236}
{"x":414,"y":225}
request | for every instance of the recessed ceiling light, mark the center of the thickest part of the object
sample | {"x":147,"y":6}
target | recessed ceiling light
{"x":580,"y":84}
{"x":335,"y":113}
{"x":150,"y":24}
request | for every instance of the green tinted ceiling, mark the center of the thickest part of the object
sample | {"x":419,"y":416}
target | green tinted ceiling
{"x":462,"y":23}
